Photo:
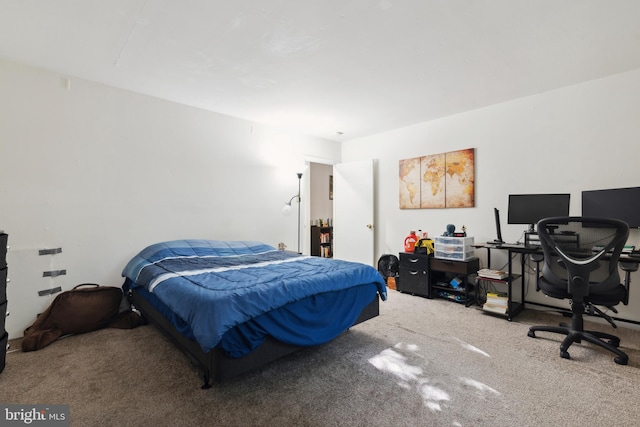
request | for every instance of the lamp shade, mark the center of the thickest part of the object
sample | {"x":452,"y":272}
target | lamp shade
{"x":286,"y":209}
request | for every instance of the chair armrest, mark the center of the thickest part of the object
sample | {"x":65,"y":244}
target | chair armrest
{"x":628,"y":267}
{"x":537,"y":258}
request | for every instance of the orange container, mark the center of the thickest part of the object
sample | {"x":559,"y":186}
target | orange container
{"x":391,"y":282}
{"x":410,"y":242}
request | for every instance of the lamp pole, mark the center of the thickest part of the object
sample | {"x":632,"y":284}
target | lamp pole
{"x":299,"y":199}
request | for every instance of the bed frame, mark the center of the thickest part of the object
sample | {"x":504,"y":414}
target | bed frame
{"x":215,"y":365}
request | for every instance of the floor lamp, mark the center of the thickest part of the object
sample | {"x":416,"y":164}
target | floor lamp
{"x":287,"y":208}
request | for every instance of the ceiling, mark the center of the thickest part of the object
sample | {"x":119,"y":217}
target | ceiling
{"x":335,"y":69}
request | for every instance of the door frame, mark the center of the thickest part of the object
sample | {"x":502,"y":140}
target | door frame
{"x":305,"y":226}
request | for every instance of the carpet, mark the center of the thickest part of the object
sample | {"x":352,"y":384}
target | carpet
{"x":420,"y":363}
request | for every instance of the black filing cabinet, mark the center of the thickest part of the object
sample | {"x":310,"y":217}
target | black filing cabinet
{"x":414,"y":274}
{"x":4,"y":337}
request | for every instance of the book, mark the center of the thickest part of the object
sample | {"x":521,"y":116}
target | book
{"x":495,"y":309}
{"x":496,"y":297}
{"x":501,"y":295}
{"x":500,"y":300}
{"x":496,"y":302}
{"x":490,"y":304}
{"x":492,"y":274}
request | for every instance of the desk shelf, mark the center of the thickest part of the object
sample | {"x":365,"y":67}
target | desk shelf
{"x":464,"y":294}
{"x":506,"y":285}
{"x":513,"y":307}
{"x":512,"y":278}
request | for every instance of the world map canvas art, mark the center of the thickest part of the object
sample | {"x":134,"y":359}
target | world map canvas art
{"x":444,"y":180}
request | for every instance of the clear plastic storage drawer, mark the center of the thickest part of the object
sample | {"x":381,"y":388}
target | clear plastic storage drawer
{"x":457,"y":248}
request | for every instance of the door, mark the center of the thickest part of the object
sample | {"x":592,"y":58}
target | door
{"x":353,"y":228}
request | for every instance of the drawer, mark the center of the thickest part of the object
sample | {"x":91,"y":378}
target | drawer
{"x":406,"y":272}
{"x":452,"y":248}
{"x":413,"y":281}
{"x":454,"y":241}
{"x":3,"y":349}
{"x":414,"y":261}
{"x":462,"y":256}
{"x":3,"y":317}
{"x":3,"y":249}
{"x":3,"y":284}
{"x":470,"y":266}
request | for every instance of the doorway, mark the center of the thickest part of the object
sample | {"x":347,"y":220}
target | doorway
{"x":353,"y":234}
{"x":320,"y":218}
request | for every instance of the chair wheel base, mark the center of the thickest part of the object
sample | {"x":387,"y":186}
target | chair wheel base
{"x":621,"y":360}
{"x":574,"y":336}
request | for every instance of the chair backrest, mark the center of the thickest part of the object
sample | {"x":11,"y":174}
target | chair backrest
{"x":581,"y":254}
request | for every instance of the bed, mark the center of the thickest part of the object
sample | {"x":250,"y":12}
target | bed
{"x":233,"y":306}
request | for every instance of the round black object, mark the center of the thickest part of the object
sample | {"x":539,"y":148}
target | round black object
{"x":388,"y":266}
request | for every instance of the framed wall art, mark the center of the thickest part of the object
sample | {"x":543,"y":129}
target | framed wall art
{"x":445,"y":180}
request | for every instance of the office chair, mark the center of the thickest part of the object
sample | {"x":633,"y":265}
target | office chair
{"x":580,"y":263}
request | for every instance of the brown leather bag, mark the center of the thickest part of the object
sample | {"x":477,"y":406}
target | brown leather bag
{"x":85,"y":308}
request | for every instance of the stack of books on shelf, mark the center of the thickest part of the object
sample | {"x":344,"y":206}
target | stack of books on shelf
{"x":496,"y":303}
{"x":492,"y":274}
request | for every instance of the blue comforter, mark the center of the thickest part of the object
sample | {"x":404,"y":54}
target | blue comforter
{"x":215,"y":286}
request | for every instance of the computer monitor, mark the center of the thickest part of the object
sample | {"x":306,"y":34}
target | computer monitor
{"x":531,"y":208}
{"x":619,"y":203}
{"x":498,"y":240}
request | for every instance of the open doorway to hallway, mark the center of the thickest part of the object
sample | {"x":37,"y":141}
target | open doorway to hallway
{"x":320,"y":220}
{"x":320,"y":223}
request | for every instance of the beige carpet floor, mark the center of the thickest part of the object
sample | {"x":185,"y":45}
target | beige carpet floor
{"x":420,"y":363}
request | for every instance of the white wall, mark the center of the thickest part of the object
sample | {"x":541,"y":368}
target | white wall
{"x":102,"y":173}
{"x":582,"y":137}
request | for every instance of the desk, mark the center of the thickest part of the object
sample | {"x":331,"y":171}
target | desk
{"x":627,"y":263}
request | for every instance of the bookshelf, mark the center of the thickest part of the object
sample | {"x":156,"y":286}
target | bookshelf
{"x":322,"y":241}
